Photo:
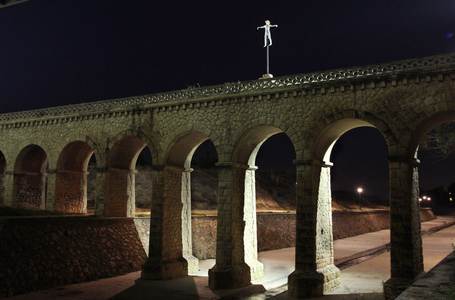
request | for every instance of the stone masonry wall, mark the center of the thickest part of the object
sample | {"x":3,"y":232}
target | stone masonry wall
{"x":43,"y":252}
{"x":277,"y":231}
{"x":69,"y":193}
{"x":39,"y":253}
{"x":29,"y":191}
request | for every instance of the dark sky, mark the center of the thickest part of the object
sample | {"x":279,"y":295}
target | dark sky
{"x":55,"y":52}
{"x":66,"y":51}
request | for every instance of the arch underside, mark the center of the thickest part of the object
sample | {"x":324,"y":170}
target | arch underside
{"x":120,"y":191}
{"x":71,"y":178}
{"x":30,"y":178}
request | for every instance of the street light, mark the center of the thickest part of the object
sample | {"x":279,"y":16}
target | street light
{"x":359,"y":193}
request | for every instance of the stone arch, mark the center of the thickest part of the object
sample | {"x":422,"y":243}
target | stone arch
{"x":314,"y":194}
{"x":406,"y":242}
{"x":244,"y":231}
{"x":2,"y":178}
{"x":120,"y":178}
{"x":265,"y":122}
{"x":185,"y":134}
{"x":248,"y":146}
{"x":71,"y":179}
{"x":183,"y":147}
{"x":150,"y":142}
{"x":30,"y":178}
{"x":321,"y":137}
{"x":178,"y":196}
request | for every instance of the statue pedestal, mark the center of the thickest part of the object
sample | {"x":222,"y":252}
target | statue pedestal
{"x":266,"y":76}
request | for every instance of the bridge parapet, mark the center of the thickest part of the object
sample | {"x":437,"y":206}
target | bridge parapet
{"x":420,"y":66}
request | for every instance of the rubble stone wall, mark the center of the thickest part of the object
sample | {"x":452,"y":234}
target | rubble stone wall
{"x":44,"y":252}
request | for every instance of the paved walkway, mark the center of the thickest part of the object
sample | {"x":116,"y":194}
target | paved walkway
{"x":366,"y":277}
{"x":364,"y":280}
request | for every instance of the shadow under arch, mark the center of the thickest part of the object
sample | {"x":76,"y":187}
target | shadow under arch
{"x":71,"y":178}
{"x":30,"y":183}
{"x":120,"y":177}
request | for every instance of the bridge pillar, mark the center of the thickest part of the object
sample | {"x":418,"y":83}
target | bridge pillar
{"x":120,"y":193}
{"x":315,"y":272}
{"x":71,"y":191}
{"x":8,"y":188}
{"x":30,"y":190}
{"x":187,"y":234}
{"x":405,"y":240}
{"x":166,"y":258}
{"x":236,"y":250}
{"x":50,"y":182}
{"x":100,"y":188}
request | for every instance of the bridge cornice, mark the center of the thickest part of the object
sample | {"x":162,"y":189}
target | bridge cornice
{"x":341,"y":80}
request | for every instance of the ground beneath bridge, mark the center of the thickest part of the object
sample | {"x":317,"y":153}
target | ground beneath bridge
{"x":362,"y":275}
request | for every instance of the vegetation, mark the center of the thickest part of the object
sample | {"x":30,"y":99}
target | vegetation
{"x":441,"y":140}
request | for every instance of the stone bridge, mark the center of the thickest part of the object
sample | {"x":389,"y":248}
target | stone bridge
{"x":45,"y":154}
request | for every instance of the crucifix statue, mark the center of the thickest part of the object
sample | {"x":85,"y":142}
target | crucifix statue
{"x":267,"y":43}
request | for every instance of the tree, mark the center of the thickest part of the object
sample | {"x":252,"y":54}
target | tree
{"x":441,"y":140}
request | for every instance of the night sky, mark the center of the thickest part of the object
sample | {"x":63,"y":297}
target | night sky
{"x":55,"y":52}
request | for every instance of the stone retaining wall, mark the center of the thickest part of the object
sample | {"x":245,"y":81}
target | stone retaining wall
{"x":277,"y":230}
{"x":43,"y":252}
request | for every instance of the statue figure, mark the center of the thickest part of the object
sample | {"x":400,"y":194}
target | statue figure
{"x":267,"y":33}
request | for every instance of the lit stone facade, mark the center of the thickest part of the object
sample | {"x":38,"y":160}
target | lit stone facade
{"x":45,"y":154}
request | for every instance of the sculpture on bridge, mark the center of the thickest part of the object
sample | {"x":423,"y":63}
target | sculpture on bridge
{"x":267,"y":33}
{"x":267,"y":43}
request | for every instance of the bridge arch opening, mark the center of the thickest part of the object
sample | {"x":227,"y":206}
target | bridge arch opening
{"x":120,"y":193}
{"x":264,"y":191}
{"x":191,"y":160}
{"x":30,"y":178}
{"x":351,"y":178}
{"x":71,"y":187}
{"x":143,"y":183}
{"x":2,"y":178}
{"x":434,"y":148}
